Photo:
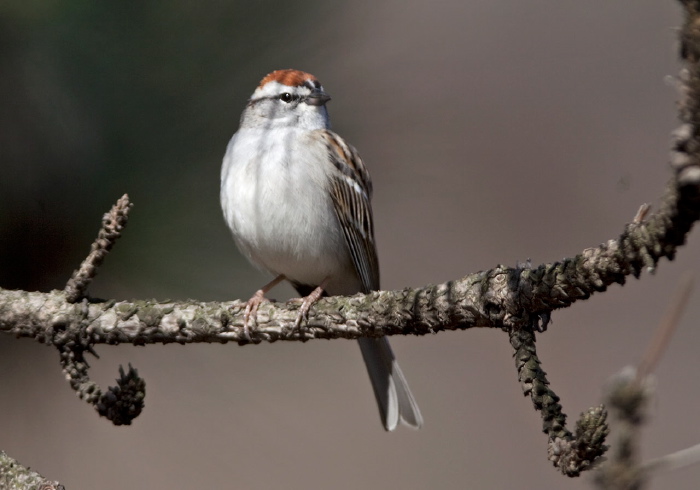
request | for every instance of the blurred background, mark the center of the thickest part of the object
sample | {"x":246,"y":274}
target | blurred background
{"x":494,"y":131}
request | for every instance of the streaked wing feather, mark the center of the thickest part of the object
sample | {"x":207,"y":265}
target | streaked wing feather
{"x":351,"y":190}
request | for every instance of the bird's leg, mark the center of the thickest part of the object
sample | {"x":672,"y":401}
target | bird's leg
{"x":308,"y":301}
{"x":251,"y":308}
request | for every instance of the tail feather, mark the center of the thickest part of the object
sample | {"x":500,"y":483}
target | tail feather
{"x":394,"y":397}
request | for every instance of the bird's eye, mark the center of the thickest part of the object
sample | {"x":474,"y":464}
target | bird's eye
{"x":286,"y":97}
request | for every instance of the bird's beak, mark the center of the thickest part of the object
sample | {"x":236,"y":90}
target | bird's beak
{"x":318,"y":98}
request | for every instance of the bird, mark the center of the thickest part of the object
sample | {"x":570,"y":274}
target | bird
{"x":296,"y":197}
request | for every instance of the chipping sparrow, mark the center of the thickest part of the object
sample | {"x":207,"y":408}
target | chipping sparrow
{"x":297,"y":199}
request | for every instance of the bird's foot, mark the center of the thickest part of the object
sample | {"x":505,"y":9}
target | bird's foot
{"x":250,"y":316}
{"x":306,"y":304}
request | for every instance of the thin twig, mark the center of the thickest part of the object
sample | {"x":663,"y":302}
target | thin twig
{"x":680,"y":459}
{"x":628,"y":394}
{"x":112,"y":224}
{"x":642,"y":213}
{"x":666,"y":329}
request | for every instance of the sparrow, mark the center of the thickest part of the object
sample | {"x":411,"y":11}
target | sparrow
{"x":296,"y":197}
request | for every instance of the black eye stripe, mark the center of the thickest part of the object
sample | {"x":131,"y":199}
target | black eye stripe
{"x":283,"y":97}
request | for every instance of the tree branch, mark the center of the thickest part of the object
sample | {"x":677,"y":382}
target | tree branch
{"x":14,"y":476}
{"x":502,"y":297}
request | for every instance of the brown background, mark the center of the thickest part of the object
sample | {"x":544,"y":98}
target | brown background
{"x":495,"y":132}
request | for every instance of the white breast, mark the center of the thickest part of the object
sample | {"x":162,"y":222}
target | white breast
{"x":275,"y":200}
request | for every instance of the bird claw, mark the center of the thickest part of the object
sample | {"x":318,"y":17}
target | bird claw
{"x":303,"y":316}
{"x":251,"y":312}
{"x":306,"y":304}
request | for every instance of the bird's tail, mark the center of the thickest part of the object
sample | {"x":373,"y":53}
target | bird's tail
{"x":394,"y":397}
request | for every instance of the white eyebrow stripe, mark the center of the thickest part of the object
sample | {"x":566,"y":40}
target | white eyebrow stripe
{"x":275,"y":88}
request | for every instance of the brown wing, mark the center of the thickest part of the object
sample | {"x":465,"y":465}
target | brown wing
{"x":351,"y":191}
